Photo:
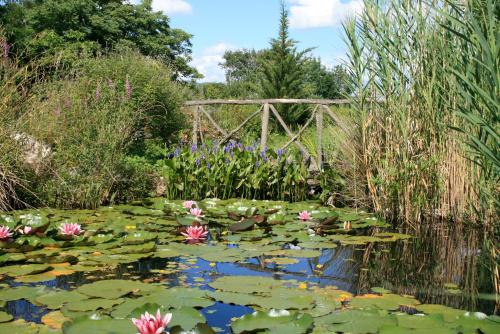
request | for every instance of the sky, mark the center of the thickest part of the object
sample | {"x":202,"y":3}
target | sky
{"x":220,"y":25}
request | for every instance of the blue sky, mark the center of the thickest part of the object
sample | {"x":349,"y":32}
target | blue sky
{"x":219,"y":25}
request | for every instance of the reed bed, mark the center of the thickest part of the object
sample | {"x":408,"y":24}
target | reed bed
{"x":424,"y":146}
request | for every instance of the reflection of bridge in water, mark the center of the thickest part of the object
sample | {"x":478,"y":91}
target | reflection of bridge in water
{"x":317,"y":109}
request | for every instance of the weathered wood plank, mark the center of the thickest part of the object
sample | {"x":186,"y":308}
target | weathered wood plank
{"x":195,"y":125}
{"x":221,"y":130}
{"x":337,"y":120}
{"x":264,"y":101}
{"x":319,"y":137}
{"x":306,"y":125}
{"x":230,"y":134}
{"x":290,"y":134}
{"x":264,"y":126}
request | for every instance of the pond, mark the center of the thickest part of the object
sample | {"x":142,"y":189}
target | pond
{"x":261,"y":270}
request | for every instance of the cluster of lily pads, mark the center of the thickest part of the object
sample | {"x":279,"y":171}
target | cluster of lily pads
{"x":35,"y":226}
{"x":263,"y":234}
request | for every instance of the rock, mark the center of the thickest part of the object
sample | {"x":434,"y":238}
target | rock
{"x":36,"y":154}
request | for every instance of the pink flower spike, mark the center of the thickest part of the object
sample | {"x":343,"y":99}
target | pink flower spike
{"x":305,"y":215}
{"x":195,"y":212}
{"x":195,"y":233}
{"x":188,"y":204}
{"x":5,"y":233}
{"x":149,"y":324}
{"x":70,"y":229}
{"x":26,"y":230}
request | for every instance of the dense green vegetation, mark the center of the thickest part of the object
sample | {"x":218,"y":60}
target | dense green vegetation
{"x":234,"y":170}
{"x":421,"y":138}
{"x":410,"y":98}
{"x":71,"y":28}
{"x":397,"y":232}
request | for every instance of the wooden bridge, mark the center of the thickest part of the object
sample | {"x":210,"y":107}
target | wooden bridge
{"x":317,"y":109}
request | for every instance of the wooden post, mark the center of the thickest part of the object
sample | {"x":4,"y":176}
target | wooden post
{"x":195,"y":125}
{"x":319,"y":137}
{"x":265,"y":126}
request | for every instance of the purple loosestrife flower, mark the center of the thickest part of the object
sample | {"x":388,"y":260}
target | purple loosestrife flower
{"x":194,"y":147}
{"x":6,"y":49}
{"x":67,"y":104}
{"x":57,"y":112}
{"x":128,"y":88}
{"x":279,"y":153}
{"x":98,"y":92}
{"x":197,"y":162}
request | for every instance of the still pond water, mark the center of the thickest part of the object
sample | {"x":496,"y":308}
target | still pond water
{"x":262,"y":270}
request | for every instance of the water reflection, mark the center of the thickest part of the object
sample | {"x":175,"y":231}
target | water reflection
{"x":437,"y":257}
{"x":421,"y":266}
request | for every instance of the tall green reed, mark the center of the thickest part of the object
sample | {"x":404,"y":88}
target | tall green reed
{"x":400,"y":60}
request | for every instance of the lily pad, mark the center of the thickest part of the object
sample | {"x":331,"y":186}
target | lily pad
{"x":273,"y":322}
{"x":113,"y":289}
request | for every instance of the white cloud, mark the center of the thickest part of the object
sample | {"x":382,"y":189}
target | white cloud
{"x":170,"y":7}
{"x":208,"y":62}
{"x":306,"y":14}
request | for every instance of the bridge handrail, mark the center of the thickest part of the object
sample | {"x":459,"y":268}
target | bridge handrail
{"x":264,"y":101}
{"x":266,"y":109}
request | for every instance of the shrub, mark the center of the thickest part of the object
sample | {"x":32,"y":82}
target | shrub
{"x":106,"y":109}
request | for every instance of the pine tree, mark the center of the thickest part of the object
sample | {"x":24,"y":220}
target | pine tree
{"x":282,"y":71}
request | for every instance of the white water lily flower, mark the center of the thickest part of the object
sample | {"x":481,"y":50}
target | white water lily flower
{"x":278,"y":313}
{"x":480,"y":315}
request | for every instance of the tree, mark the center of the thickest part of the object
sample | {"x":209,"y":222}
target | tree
{"x":282,"y":71}
{"x":326,"y":83}
{"x":72,"y":27}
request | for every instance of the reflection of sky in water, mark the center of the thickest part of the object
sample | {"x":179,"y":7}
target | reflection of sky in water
{"x":339,"y":267}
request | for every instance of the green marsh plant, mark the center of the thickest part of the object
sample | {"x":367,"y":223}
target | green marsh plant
{"x":234,"y":171}
{"x":406,"y":62}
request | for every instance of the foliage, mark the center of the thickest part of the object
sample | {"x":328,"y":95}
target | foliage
{"x":72,"y":28}
{"x":476,"y":25}
{"x":234,"y":170}
{"x":402,"y":63}
{"x":322,"y":82}
{"x":14,"y":96}
{"x":282,"y":71}
{"x":95,"y":120}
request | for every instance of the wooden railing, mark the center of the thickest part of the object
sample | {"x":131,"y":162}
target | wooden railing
{"x":319,"y":108}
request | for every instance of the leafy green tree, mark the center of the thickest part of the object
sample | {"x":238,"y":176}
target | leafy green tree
{"x":70,"y":28}
{"x":326,"y":83}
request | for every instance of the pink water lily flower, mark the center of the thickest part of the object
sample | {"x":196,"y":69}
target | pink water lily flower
{"x":304,"y":215}
{"x":149,"y":324}
{"x":195,"y":233}
{"x":188,"y":204}
{"x":70,"y":229}
{"x":5,"y":233}
{"x":195,"y":212}
{"x":26,"y":230}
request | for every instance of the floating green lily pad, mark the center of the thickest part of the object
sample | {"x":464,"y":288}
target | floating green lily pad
{"x":273,"y":322}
